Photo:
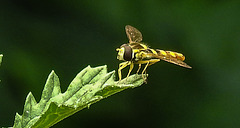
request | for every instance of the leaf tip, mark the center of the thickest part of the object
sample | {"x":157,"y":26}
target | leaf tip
{"x":52,"y":72}
{"x":30,"y":99}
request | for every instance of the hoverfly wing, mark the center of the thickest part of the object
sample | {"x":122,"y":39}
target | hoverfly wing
{"x":171,"y":59}
{"x":175,"y":61}
{"x":134,"y":35}
{"x":139,"y":46}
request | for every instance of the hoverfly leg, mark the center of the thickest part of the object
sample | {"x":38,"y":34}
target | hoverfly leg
{"x":148,"y":63}
{"x":139,"y":67}
{"x":144,"y":71}
{"x":122,"y":66}
{"x":130,"y":69}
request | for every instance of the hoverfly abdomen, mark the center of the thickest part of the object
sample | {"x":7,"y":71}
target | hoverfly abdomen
{"x":179,"y":56}
{"x":170,"y":54}
{"x":161,"y":52}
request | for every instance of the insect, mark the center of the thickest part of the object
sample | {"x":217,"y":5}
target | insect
{"x":135,"y":52}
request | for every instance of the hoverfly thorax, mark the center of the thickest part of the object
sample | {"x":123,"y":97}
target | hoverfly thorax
{"x":125,"y":52}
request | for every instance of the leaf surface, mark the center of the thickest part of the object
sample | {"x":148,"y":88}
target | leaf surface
{"x":88,"y":87}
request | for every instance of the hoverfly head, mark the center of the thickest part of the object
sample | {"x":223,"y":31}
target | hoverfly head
{"x":125,"y":52}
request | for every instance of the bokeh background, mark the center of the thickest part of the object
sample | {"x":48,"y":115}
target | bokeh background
{"x":66,"y":36}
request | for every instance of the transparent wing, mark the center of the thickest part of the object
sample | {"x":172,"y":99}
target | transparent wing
{"x":172,"y":60}
{"x":133,"y":34}
{"x":175,"y":61}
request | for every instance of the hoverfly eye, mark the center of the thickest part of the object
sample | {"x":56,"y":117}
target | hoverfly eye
{"x":127,"y":52}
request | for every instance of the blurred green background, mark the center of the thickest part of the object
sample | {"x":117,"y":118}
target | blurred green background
{"x":66,"y":36}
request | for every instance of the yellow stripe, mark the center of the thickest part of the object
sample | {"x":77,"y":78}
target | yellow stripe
{"x":153,"y":51}
{"x":144,"y":46}
{"x":163,"y":52}
{"x":172,"y":54}
{"x":179,"y":54}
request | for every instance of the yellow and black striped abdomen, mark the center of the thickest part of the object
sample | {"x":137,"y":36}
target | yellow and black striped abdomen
{"x":172,"y":57}
{"x":170,"y":54}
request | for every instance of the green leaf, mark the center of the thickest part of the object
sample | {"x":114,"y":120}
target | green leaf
{"x":88,"y":87}
{"x":1,"y":56}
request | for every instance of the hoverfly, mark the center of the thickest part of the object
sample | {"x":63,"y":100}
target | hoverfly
{"x":135,"y":52}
